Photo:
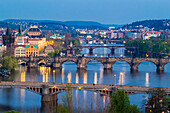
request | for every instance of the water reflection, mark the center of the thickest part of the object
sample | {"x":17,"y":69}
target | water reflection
{"x":147,"y":80}
{"x":26,"y":101}
{"x":95,"y":78}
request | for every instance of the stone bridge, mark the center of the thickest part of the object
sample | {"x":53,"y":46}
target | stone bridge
{"x":82,"y":62}
{"x":49,"y":91}
{"x":91,"y":48}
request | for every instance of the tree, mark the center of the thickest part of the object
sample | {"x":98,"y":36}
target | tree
{"x":157,"y":102}
{"x":9,"y":63}
{"x":51,"y":54}
{"x":119,"y":103}
{"x":67,"y":106}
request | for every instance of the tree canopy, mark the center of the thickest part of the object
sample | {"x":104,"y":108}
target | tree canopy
{"x":119,"y":103}
{"x":9,"y":62}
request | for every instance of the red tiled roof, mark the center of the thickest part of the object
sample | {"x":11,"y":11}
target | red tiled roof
{"x":20,"y":45}
{"x":32,"y":39}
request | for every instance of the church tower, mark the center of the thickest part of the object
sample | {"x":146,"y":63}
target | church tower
{"x":20,"y":37}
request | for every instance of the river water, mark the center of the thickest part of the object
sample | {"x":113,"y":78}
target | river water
{"x":26,"y":101}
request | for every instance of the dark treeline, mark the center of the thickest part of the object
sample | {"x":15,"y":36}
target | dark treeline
{"x":150,"y":48}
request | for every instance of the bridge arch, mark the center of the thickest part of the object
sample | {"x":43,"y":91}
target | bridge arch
{"x":124,"y":64}
{"x":68,"y":60}
{"x":43,"y":62}
{"x":95,"y":61}
{"x":152,"y":66}
{"x":165,"y":66}
{"x":26,"y":88}
{"x":22,"y":62}
{"x":105,"y":48}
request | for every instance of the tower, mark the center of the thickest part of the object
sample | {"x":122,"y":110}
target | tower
{"x":8,"y":41}
{"x":20,"y":37}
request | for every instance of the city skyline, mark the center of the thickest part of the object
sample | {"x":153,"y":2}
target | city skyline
{"x":113,"y":12}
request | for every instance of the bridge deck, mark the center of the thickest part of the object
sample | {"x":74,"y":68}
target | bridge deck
{"x":83,"y":86}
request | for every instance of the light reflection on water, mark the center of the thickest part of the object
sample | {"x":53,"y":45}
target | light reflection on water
{"x":23,"y":100}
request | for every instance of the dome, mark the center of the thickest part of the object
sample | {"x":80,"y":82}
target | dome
{"x":34,"y":30}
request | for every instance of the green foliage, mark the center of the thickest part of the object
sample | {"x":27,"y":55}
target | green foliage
{"x":67,"y":99}
{"x":75,"y":42}
{"x":152,"y":46}
{"x":134,"y":109}
{"x":119,"y":103}
{"x":157,"y":102}
{"x":59,"y":49}
{"x":9,"y":62}
{"x":52,"y":54}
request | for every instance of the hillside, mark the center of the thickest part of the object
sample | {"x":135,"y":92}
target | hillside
{"x":61,"y":24}
{"x":156,"y":24}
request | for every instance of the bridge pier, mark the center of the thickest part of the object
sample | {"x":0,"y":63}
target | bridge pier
{"x":107,"y":66}
{"x":81,"y":66}
{"x":46,"y":96}
{"x":112,"y":51}
{"x":57,"y":65}
{"x":160,"y":68}
{"x":32,"y":65}
{"x":91,"y":51}
{"x":134,"y":68}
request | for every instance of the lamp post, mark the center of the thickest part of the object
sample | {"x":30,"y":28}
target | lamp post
{"x":121,"y":80}
{"x":115,"y":80}
{"x":53,"y":76}
{"x":45,"y":78}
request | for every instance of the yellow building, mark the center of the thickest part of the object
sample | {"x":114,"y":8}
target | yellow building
{"x":31,"y":50}
{"x":41,"y":42}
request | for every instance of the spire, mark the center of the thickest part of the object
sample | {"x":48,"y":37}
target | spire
{"x":8,"y":30}
{"x":20,"y":29}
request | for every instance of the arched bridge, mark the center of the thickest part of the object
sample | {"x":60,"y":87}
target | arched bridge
{"x":49,"y":91}
{"x":91,"y":48}
{"x":83,"y":61}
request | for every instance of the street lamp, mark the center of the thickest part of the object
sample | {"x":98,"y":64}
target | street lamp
{"x":115,"y":80}
{"x":121,"y":79}
{"x":45,"y":78}
{"x":53,"y":76}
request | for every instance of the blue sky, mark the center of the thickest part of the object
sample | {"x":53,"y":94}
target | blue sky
{"x":103,"y":11}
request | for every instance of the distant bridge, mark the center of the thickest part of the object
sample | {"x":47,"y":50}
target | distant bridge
{"x":91,"y":48}
{"x":82,"y":62}
{"x":49,"y":91}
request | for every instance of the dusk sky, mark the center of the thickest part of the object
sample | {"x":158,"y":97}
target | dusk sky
{"x":103,"y":11}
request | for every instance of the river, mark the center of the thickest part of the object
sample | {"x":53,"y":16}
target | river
{"x":26,"y":101}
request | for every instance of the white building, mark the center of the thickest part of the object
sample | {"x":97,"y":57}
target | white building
{"x":20,"y":51}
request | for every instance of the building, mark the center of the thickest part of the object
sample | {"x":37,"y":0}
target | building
{"x":48,"y":49}
{"x":57,"y":36}
{"x":19,"y":51}
{"x":152,"y":34}
{"x":31,"y":50}
{"x":41,"y":42}
{"x":19,"y":37}
{"x":2,"y":49}
{"x":9,"y":41}
{"x":34,"y":32}
{"x":114,"y":35}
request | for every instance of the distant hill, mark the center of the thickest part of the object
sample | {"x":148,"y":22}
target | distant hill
{"x":113,"y":25}
{"x":156,"y":24}
{"x":82,"y":23}
{"x":75,"y":24}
